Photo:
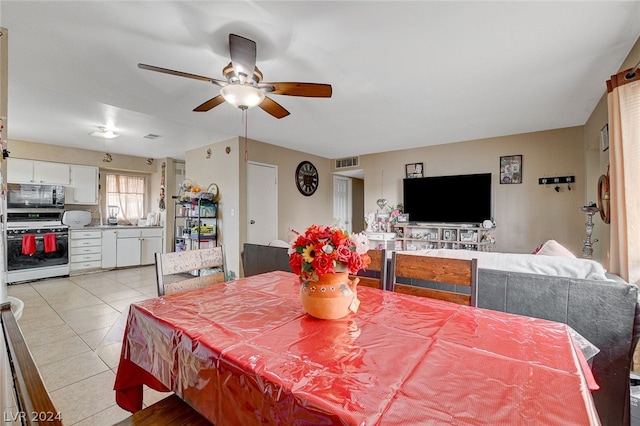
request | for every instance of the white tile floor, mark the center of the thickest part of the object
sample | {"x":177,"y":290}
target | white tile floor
{"x":64,"y":323}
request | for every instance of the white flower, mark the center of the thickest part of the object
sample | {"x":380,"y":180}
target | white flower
{"x":361,"y":241}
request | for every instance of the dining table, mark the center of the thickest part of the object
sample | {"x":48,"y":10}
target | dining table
{"x":245,"y":352}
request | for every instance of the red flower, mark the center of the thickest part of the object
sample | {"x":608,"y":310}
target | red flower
{"x":323,"y":233}
{"x":339,"y":238}
{"x":366,"y":260}
{"x":295,"y":261}
{"x":322,"y":250}
{"x":355,"y":263}
{"x":344,"y":253}
{"x":323,"y":265}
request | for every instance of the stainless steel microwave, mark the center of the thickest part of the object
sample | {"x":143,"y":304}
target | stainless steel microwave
{"x":29,"y":196}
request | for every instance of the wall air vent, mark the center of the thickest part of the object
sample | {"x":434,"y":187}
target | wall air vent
{"x":341,"y":163}
{"x":151,"y":136}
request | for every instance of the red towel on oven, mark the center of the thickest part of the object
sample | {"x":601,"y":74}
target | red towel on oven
{"x":50,"y":245}
{"x":28,"y":244}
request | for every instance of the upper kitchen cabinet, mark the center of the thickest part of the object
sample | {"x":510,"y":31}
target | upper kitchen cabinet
{"x":30,"y":171}
{"x":83,"y":188}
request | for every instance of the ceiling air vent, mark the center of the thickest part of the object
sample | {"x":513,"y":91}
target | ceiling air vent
{"x":151,"y":136}
{"x":341,"y":163}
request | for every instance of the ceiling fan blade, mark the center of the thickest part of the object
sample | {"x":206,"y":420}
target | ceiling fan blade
{"x":273,"y":108}
{"x":181,"y":74}
{"x":243,"y":56}
{"x":312,"y":90}
{"x":211,"y":103}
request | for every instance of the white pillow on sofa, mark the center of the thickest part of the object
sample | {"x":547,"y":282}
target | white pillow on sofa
{"x":553,"y":248}
{"x":555,"y":266}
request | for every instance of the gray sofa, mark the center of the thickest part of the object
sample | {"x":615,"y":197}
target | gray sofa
{"x":604,"y":312}
{"x":258,"y":259}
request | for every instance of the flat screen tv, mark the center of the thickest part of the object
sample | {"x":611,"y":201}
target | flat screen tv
{"x":448,"y":199}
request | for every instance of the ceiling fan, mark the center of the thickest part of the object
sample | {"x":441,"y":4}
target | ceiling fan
{"x":244,"y":87}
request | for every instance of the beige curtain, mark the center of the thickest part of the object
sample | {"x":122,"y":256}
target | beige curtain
{"x":126,"y":192}
{"x":624,"y":154}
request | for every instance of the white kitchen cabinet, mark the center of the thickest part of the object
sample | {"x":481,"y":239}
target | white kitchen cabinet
{"x":151,"y":243}
{"x":83,"y":185}
{"x":19,"y":170}
{"x":51,"y":173}
{"x":128,"y":247}
{"x":42,"y":172}
{"x":109,"y":247}
{"x":85,"y":250}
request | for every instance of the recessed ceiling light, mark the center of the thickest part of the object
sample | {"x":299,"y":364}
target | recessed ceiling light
{"x":103,"y":133}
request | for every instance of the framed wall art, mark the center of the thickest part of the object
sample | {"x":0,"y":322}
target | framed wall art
{"x":511,"y":169}
{"x":403,"y":218}
{"x":413,"y":170}
{"x":604,"y":137}
{"x":382,"y":222}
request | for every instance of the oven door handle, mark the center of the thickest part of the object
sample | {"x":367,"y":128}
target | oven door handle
{"x":38,"y":237}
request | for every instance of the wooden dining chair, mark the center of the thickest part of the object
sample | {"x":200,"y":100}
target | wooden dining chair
{"x":190,"y":269}
{"x":453,"y":280}
{"x":376,"y":273}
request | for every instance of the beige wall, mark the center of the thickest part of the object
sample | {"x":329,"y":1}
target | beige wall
{"x":229,"y":171}
{"x":526,"y":214}
{"x":223,"y":169}
{"x":597,"y":161}
{"x":296,"y":211}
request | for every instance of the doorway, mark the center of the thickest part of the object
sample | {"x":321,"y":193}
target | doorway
{"x":348,"y":202}
{"x":262,"y":203}
{"x":342,"y":208}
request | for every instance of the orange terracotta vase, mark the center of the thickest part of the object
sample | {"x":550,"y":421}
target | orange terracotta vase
{"x":332,"y":296}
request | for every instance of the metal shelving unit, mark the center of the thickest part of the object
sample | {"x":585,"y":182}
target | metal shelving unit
{"x":195,"y":224}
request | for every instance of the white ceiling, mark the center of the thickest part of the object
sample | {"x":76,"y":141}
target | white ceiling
{"x":404,"y":74}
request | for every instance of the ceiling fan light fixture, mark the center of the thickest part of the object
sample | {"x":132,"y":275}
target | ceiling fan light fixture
{"x":242,"y":96}
{"x":103,"y":133}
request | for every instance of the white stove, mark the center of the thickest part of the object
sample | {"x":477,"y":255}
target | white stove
{"x":37,"y":245}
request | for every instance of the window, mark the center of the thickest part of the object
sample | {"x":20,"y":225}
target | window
{"x":127,"y":194}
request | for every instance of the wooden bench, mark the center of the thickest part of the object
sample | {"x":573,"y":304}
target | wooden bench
{"x":169,"y":411}
{"x":34,"y":406}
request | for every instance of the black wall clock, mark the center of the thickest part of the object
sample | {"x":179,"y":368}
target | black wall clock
{"x":307,"y":178}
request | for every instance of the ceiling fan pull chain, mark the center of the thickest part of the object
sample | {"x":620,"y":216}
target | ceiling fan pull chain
{"x":246,"y":148}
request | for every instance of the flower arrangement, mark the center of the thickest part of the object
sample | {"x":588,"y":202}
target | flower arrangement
{"x":395,"y":211}
{"x":324,"y":250}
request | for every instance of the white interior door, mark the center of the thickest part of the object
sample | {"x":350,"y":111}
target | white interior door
{"x":262,"y":203}
{"x":342,"y":207}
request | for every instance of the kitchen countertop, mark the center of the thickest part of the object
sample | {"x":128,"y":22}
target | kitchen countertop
{"x":101,"y":227}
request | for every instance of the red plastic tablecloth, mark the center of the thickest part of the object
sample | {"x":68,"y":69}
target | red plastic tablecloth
{"x":245,"y":353}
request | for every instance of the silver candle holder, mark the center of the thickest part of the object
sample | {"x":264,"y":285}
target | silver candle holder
{"x":587,"y":249}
